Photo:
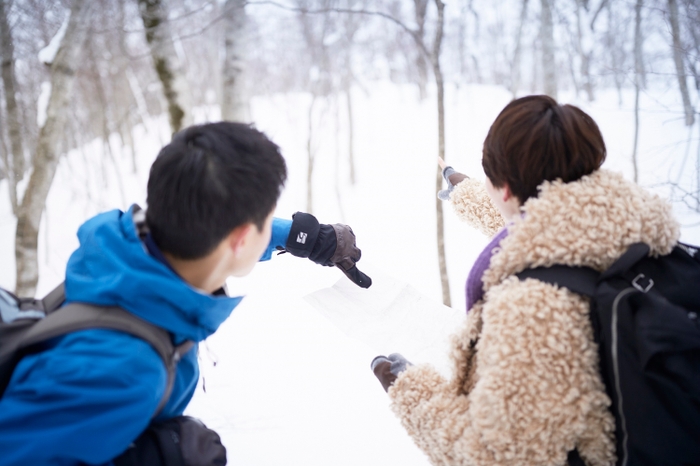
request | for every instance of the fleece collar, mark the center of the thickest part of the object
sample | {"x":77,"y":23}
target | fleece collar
{"x":589,"y":222}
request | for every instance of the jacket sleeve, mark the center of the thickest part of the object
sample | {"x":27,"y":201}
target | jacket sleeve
{"x":472,"y":204}
{"x":280,"y":232}
{"x":535,"y":394}
{"x":82,"y":401}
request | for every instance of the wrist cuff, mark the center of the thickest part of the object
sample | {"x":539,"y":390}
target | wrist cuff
{"x":303,"y":234}
{"x":446,"y":172}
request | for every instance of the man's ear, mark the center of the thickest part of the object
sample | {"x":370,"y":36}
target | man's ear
{"x":238,"y":238}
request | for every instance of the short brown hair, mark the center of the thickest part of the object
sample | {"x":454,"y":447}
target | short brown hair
{"x":534,"y":139}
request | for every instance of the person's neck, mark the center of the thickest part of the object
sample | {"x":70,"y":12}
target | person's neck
{"x":203,"y":273}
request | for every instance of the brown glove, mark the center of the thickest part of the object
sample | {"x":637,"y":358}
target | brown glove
{"x":329,"y":245}
{"x":388,"y":368}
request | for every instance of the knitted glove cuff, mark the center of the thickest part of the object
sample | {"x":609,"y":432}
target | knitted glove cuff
{"x":398,"y":363}
{"x":444,"y":194}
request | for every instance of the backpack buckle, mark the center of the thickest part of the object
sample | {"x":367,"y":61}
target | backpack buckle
{"x":641,"y":288}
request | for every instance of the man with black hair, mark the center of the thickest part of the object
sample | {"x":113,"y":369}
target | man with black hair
{"x":87,"y":396}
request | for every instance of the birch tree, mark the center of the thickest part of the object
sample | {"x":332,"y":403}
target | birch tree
{"x":692,"y":21}
{"x":351,"y":24}
{"x":437,"y":70}
{"x":234,"y":96}
{"x":432,"y":54}
{"x":515,"y":67}
{"x":421,"y":9}
{"x":587,"y":13}
{"x":45,"y":161}
{"x":547,"y":43}
{"x":679,"y":61}
{"x":14,"y":162}
{"x":319,"y":76}
{"x":167,"y":64}
{"x":638,"y":79}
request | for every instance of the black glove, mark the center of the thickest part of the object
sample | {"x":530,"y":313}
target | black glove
{"x":388,"y":368}
{"x":329,"y":245}
{"x":180,"y":441}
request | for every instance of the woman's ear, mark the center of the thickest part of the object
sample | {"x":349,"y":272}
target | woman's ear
{"x":507,"y":193}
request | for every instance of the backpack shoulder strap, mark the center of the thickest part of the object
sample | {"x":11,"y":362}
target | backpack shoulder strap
{"x":54,"y":299}
{"x":581,"y":280}
{"x":81,"y":316}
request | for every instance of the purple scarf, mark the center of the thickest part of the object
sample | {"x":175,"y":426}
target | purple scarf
{"x":475,"y":284}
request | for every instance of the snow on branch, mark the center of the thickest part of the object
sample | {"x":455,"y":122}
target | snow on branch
{"x":48,"y":53}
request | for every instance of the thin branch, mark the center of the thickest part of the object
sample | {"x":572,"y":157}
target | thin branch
{"x":398,"y":22}
{"x":597,"y":12}
{"x":173,"y":19}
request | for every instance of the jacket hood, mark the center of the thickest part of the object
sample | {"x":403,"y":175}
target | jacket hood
{"x":111,"y":267}
{"x":589,"y":222}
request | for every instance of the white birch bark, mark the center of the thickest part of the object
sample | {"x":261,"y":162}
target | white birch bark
{"x":311,"y":156}
{"x":515,"y":67}
{"x":421,"y":8}
{"x":48,"y":148}
{"x":437,"y":70}
{"x":547,"y":41}
{"x":235,"y":100}
{"x":678,"y":59}
{"x":586,"y":15}
{"x":168,"y":66}
{"x":638,"y":76}
{"x":15,"y":160}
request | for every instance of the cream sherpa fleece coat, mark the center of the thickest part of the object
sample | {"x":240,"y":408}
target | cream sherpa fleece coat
{"x":526,"y":388}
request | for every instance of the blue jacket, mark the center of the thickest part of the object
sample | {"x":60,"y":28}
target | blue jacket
{"x":91,"y":393}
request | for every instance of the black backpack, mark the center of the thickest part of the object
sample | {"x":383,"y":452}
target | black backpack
{"x":27,"y":323}
{"x":644,"y":313}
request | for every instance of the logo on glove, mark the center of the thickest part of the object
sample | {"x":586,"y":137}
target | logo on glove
{"x":301,"y":238}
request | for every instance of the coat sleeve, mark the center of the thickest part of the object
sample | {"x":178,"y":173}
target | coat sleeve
{"x":82,"y":401}
{"x":535,"y":394}
{"x":472,"y":204}
{"x":280,"y":231}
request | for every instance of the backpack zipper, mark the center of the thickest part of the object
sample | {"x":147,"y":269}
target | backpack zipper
{"x":616,"y":370}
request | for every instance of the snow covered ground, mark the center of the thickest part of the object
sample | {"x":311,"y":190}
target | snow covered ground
{"x":283,"y":384}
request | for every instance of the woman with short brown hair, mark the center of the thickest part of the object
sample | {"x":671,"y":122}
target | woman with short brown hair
{"x":526,"y":388}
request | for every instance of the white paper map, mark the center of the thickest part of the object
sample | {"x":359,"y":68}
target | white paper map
{"x":391,"y":317}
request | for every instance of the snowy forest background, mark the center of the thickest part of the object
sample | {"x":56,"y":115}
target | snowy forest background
{"x":362,"y":96}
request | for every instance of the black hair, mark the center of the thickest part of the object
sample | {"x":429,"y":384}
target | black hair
{"x":209,"y":180}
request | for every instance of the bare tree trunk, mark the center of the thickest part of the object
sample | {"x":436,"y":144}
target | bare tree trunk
{"x":310,"y":152}
{"x":4,"y":154}
{"x":168,"y":67}
{"x":351,"y":136}
{"x":586,"y":17}
{"x":547,"y":42}
{"x":437,"y":44}
{"x":616,"y":54}
{"x":234,"y":98}
{"x":338,"y":158}
{"x":678,"y":60}
{"x":15,"y":165}
{"x":515,"y":68}
{"x":104,"y":116}
{"x":48,"y":148}
{"x":692,"y":17}
{"x":582,"y":36}
{"x":638,"y":75}
{"x":421,"y":8}
{"x":697,"y":175}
